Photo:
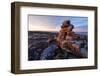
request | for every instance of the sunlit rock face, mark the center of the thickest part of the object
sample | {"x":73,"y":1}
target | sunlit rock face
{"x":65,"y":32}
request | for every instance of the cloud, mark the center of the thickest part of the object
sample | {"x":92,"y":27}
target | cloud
{"x":81,"y":29}
{"x":53,"y":23}
{"x":41,"y":23}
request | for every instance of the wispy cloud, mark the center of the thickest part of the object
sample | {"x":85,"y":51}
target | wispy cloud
{"x":81,"y":29}
{"x":53,"y":23}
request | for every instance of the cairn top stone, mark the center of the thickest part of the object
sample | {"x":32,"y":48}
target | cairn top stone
{"x":67,"y":26}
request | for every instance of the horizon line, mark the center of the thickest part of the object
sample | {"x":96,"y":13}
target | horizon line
{"x":51,"y":31}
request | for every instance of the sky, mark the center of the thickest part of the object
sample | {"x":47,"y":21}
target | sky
{"x":53,"y":23}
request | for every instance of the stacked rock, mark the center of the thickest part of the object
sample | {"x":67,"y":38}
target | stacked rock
{"x":65,"y":32}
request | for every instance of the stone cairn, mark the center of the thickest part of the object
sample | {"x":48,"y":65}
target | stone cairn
{"x":65,"y":38}
{"x":65,"y":32}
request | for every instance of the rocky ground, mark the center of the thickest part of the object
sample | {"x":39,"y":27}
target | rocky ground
{"x":37,"y":42}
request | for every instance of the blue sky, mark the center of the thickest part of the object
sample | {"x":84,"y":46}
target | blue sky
{"x":53,"y":23}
